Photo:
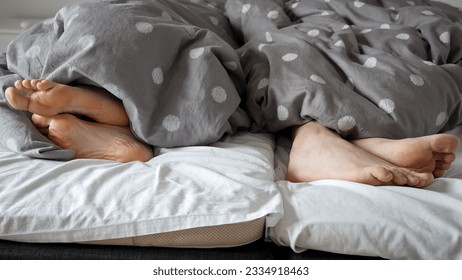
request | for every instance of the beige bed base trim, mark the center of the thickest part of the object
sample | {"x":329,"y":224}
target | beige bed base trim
{"x":229,"y":235}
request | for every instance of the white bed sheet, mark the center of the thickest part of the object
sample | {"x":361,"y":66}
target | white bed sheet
{"x":390,"y":222}
{"x":82,"y":200}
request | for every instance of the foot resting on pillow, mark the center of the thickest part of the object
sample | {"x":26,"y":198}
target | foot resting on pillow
{"x":432,"y":153}
{"x":53,"y":104}
{"x":93,"y":140}
{"x":318,"y":153}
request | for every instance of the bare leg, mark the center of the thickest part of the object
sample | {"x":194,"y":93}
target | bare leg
{"x":433,"y":153}
{"x":93,"y":140}
{"x":47,"y":98}
{"x":318,"y":153}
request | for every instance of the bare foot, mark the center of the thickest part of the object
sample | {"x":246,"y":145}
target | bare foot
{"x":93,"y":140}
{"x":433,"y":153}
{"x":47,"y":98}
{"x":318,"y":153}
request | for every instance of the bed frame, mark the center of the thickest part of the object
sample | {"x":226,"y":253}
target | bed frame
{"x":259,"y":250}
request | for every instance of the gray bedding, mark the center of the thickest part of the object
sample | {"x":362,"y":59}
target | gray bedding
{"x":190,"y":71}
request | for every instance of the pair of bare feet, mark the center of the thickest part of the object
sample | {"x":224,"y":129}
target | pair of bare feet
{"x":55,"y":106}
{"x":317,"y":153}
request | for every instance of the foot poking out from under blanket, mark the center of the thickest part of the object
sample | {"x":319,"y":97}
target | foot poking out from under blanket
{"x":318,"y":153}
{"x":93,"y":140}
{"x":47,"y":98}
{"x":53,"y":104}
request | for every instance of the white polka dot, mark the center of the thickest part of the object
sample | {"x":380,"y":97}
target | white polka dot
{"x":294,"y":5}
{"x":263,"y":83}
{"x":417,"y":80}
{"x":358,"y":4}
{"x":313,"y":33}
{"x":346,"y":123}
{"x":158,"y":76}
{"x":273,"y":14}
{"x":283,"y":113}
{"x":289,"y":57}
{"x":196,"y":53}
{"x":428,"y":13}
{"x":231,"y":65}
{"x":340,"y":44}
{"x":327,"y":1}
{"x":214,"y":21}
{"x":371,"y":62}
{"x":429,"y":63}
{"x":315,"y":78}
{"x":325,"y":13}
{"x":411,"y":3}
{"x":365,"y":31}
{"x":11,"y":144}
{"x":219,"y":94}
{"x":445,"y":37}
{"x":87,"y":41}
{"x":385,"y":26}
{"x":261,"y":46}
{"x":166,"y":15}
{"x":268,"y":36}
{"x":387,"y":105}
{"x":33,"y":51}
{"x":403,"y":36}
{"x":171,"y":123}
{"x":245,"y":8}
{"x":144,"y":27}
{"x":441,"y":119}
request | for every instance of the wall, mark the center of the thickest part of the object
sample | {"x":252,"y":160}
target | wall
{"x":47,"y":8}
{"x":32,"y":8}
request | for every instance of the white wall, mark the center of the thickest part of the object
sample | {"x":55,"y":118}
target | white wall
{"x":47,"y":8}
{"x":32,"y":8}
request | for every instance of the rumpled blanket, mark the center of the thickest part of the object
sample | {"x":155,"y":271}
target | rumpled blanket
{"x":190,"y":71}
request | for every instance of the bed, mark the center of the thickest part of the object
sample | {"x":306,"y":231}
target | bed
{"x":221,"y":193}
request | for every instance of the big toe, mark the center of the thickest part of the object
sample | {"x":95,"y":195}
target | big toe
{"x":16,"y":99}
{"x":445,"y":143}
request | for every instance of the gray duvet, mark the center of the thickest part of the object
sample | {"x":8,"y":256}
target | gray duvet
{"x":190,"y":71}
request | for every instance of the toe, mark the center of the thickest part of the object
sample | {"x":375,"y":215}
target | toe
{"x":383,"y":175}
{"x":40,"y":121}
{"x":19,"y":85}
{"x":425,"y":179}
{"x":399,"y":178}
{"x":45,"y":84}
{"x":445,"y":157}
{"x":438,"y":173}
{"x":442,"y":165}
{"x":16,"y":99}
{"x":27,"y":84}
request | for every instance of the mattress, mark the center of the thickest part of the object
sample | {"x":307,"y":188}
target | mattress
{"x":227,"y":194}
